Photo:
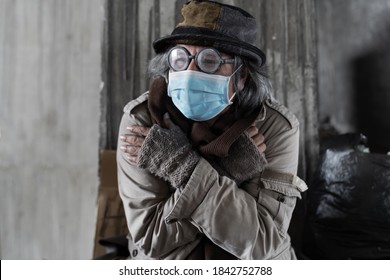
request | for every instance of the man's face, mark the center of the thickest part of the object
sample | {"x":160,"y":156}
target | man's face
{"x":225,"y":69}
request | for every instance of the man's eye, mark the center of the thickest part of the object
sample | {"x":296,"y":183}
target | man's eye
{"x":180,"y":62}
{"x":209,"y":61}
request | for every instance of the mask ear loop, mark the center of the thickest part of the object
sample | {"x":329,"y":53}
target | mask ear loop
{"x":234,"y":84}
{"x":235,"y":71}
{"x":235,"y":92}
{"x":231,"y":98}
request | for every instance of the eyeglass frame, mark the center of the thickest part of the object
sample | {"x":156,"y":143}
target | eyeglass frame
{"x":195,"y":58}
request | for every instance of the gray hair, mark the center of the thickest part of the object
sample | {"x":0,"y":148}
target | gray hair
{"x":256,"y":90}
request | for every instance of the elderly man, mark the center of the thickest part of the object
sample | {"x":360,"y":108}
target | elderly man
{"x":207,"y":160}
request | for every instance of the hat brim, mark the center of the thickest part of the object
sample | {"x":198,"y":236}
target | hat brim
{"x":222,"y":43}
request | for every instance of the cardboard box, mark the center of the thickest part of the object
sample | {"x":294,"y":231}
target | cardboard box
{"x":111,"y":221}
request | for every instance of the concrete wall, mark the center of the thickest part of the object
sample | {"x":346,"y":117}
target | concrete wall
{"x":353,"y":57}
{"x":49,"y":127}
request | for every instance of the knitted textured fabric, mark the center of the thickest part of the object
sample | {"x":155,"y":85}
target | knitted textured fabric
{"x":243,"y":162}
{"x":168,"y":154}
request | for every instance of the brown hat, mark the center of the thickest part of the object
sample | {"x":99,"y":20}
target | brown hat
{"x":209,"y":23}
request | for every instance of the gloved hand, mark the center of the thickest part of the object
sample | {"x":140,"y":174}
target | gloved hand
{"x":167,"y":154}
{"x":244,"y":161}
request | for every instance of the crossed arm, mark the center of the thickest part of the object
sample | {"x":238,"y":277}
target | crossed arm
{"x":132,"y":142}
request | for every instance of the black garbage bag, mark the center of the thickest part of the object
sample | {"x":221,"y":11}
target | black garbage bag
{"x":348,"y":203}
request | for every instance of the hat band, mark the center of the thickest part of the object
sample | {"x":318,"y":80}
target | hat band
{"x":200,"y":31}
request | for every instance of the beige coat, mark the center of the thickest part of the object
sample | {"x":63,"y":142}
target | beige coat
{"x":249,"y":221}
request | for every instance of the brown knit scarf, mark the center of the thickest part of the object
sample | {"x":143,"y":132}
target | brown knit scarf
{"x":212,"y":141}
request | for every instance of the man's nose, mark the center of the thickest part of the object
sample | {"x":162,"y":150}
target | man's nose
{"x":193,"y":66}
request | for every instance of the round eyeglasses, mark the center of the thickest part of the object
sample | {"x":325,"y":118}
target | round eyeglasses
{"x":208,"y":60}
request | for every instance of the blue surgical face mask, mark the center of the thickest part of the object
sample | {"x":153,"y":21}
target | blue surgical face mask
{"x":199,"y":96}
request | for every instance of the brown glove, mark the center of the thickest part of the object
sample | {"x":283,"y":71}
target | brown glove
{"x":168,"y":154}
